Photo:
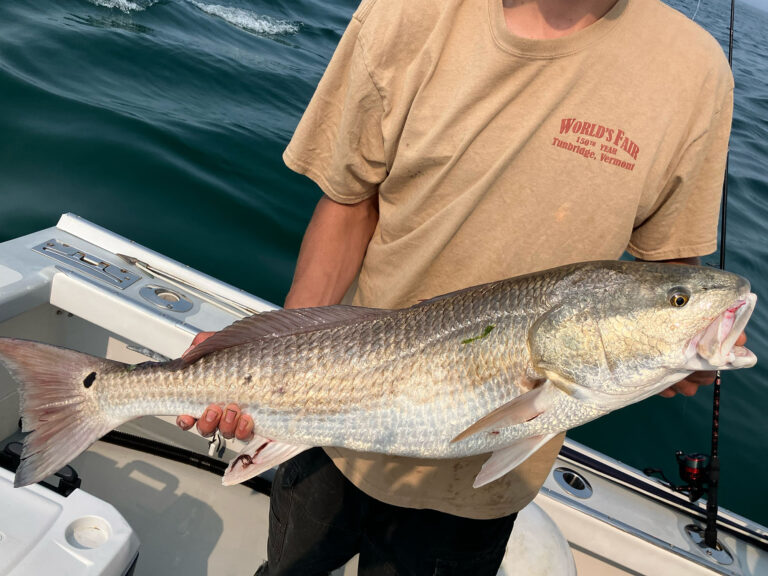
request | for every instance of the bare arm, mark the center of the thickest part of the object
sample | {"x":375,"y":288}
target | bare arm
{"x":330,"y":257}
{"x":332,"y":251}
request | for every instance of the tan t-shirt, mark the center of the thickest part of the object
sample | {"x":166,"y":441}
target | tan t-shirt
{"x":495,"y":155}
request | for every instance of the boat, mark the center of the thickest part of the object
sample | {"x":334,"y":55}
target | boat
{"x":147,"y":499}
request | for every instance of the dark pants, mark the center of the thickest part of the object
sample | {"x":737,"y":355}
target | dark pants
{"x":318,"y":520}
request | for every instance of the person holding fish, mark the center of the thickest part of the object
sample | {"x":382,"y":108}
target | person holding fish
{"x":484,"y":165}
{"x":459,"y":143}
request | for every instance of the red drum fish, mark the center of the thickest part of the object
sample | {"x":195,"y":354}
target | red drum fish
{"x":497,"y":368}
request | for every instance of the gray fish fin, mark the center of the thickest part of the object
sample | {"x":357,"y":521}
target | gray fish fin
{"x":56,"y":388}
{"x":521,"y":409}
{"x":508,"y":458}
{"x":277,"y":323}
{"x":258,"y":456}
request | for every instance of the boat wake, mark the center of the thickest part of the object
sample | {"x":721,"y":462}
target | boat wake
{"x":126,"y":6}
{"x":249,"y":21}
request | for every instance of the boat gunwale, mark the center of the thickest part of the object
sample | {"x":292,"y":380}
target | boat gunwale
{"x":621,"y":473}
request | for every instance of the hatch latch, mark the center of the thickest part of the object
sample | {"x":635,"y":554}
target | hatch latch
{"x":88,"y":264}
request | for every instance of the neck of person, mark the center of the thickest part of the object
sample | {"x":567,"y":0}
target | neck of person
{"x":547,"y":19}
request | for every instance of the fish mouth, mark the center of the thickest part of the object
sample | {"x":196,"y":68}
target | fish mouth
{"x":715,"y":348}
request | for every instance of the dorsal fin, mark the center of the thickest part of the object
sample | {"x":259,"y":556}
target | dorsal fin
{"x":276,"y":323}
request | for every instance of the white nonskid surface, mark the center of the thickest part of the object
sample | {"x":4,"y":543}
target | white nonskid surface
{"x":187,"y":521}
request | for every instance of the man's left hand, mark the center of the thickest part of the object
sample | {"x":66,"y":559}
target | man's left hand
{"x":691,"y":384}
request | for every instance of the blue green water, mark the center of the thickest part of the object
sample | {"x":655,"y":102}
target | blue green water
{"x":165,"y":122}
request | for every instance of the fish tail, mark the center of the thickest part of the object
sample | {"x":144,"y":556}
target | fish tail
{"x":59,"y":407}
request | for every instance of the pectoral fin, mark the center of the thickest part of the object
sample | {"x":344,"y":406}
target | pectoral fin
{"x":258,"y":456}
{"x":522,"y":409}
{"x":504,"y":460}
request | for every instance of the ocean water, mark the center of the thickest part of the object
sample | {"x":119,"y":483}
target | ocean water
{"x":165,"y":122}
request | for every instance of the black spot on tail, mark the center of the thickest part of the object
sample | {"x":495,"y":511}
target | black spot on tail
{"x":89,"y":380}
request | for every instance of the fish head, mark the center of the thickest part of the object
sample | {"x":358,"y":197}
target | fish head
{"x":630,"y":329}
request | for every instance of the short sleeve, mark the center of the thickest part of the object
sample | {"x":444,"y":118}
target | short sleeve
{"x":339,"y":142}
{"x":683,"y":221}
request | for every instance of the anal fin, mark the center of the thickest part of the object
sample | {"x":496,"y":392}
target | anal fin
{"x":508,"y":458}
{"x":258,"y":456}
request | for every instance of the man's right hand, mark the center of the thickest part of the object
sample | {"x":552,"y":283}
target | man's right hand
{"x":230,"y":421}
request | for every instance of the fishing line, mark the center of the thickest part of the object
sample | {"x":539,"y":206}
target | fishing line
{"x":710,"y":533}
{"x":693,"y":18}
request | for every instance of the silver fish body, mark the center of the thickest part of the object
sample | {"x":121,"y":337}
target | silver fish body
{"x":498,"y":368}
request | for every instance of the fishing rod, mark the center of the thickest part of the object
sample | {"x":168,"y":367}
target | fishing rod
{"x":710,"y":532}
{"x":698,"y":470}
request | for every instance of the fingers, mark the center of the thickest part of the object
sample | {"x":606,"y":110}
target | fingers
{"x":229,"y":420}
{"x":687,"y":388}
{"x":244,"y":430}
{"x":201,"y":336}
{"x":742,"y":339}
{"x":210,"y":419}
{"x":690,"y":385}
{"x":704,"y":378}
{"x":185,"y":421}
{"x":236,"y":424}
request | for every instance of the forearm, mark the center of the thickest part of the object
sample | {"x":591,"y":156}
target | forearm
{"x":332,"y":252}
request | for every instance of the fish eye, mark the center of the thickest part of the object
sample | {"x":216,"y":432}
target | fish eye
{"x":678,"y":297}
